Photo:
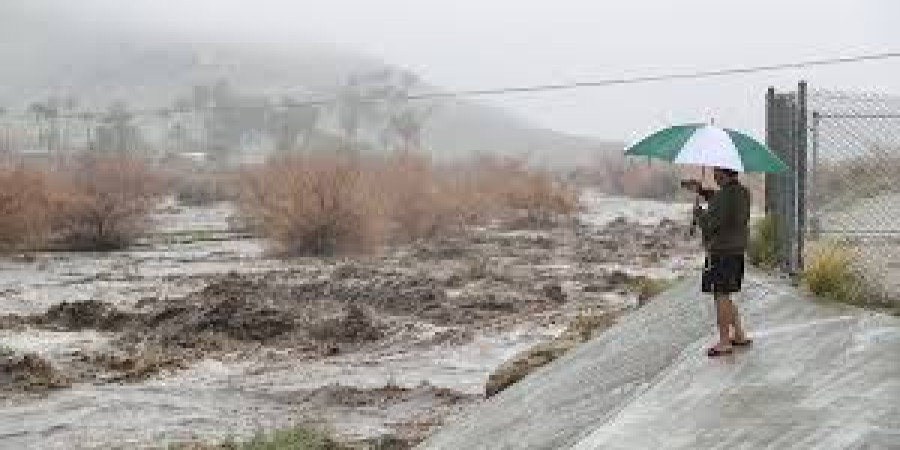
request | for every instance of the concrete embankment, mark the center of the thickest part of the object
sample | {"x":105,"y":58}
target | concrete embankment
{"x":818,"y":376}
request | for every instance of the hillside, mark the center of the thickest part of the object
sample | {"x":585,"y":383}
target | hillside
{"x":99,"y":66}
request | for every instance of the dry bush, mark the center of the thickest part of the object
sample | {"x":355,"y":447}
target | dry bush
{"x":25,"y":209}
{"x":832,"y":273}
{"x":426,"y":200}
{"x":89,"y":204}
{"x":103,"y":203}
{"x":423,"y":201}
{"x":314,"y":205}
{"x":512,"y":189}
{"x":327,"y":204}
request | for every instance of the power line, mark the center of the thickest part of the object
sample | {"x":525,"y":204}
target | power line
{"x":538,"y":88}
{"x":669,"y":77}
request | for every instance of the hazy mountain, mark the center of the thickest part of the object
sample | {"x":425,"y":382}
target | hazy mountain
{"x":98,"y":66}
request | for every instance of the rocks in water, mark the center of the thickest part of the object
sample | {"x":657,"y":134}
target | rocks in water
{"x":29,"y":373}
{"x":554,"y":291}
{"x":353,"y":326}
{"x":347,"y":270}
{"x":618,"y":278}
{"x":235,"y":317}
{"x":11,"y":321}
{"x":84,"y":315}
{"x":139,"y":363}
{"x":241,"y":320}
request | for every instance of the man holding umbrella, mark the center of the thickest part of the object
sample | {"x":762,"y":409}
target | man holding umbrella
{"x":724,"y":229}
{"x":724,"y":223}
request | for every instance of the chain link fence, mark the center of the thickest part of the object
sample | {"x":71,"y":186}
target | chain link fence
{"x":844,"y":187}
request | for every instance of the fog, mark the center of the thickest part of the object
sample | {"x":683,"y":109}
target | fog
{"x":241,"y":223}
{"x":468,"y":44}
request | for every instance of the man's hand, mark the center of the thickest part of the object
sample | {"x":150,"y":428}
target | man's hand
{"x":692,"y":185}
{"x":698,"y":210}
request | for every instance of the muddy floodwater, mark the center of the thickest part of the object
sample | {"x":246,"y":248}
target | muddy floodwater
{"x":198,"y":334}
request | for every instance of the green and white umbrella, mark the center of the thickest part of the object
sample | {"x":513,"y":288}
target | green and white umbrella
{"x":708,"y":145}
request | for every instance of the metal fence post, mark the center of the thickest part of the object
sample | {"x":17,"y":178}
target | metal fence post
{"x":801,"y":172}
{"x":789,"y":182}
{"x":770,"y":189}
{"x":780,"y":138}
{"x":814,"y":192}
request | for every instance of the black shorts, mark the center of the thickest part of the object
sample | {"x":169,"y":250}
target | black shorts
{"x":723,"y":274}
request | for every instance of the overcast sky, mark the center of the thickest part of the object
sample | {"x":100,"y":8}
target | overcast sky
{"x":469,"y":44}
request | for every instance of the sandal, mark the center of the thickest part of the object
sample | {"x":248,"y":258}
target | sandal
{"x":713,"y":352}
{"x":745,"y":343}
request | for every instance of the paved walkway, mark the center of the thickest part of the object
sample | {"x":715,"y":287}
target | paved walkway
{"x":818,"y":376}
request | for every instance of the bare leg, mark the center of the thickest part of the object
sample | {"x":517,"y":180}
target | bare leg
{"x":738,"y":334}
{"x":724,"y":321}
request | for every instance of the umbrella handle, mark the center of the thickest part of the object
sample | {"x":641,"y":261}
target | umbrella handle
{"x":693,"y":230}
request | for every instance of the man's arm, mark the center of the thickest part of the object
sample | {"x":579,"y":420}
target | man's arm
{"x":721,"y":212}
{"x":707,"y":194}
{"x":697,"y":187}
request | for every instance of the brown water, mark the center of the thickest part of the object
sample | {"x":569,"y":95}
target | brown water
{"x":404,"y":384}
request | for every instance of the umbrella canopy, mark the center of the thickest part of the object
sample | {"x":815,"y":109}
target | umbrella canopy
{"x":707,"y":145}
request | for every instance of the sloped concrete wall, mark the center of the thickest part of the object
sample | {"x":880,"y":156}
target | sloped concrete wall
{"x":818,"y":375}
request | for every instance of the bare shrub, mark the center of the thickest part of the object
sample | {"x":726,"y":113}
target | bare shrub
{"x":90,"y":204}
{"x":327,"y":204}
{"x":512,"y":189}
{"x":25,"y":209}
{"x":103,"y":203}
{"x":422,"y":200}
{"x":426,"y":200}
{"x":314,"y":205}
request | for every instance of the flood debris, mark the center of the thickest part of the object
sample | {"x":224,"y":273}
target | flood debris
{"x":84,"y":315}
{"x":28,"y":372}
{"x":352,"y":325}
{"x":424,"y":298}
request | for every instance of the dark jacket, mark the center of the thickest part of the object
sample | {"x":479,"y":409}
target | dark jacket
{"x":724,"y":225}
